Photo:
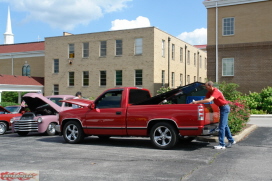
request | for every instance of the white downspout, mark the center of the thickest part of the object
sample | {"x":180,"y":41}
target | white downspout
{"x":216,"y":43}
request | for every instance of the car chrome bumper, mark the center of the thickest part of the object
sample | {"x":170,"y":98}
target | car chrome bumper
{"x":210,"y":129}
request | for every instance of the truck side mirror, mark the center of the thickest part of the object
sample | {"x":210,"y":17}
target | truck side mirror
{"x":91,"y":106}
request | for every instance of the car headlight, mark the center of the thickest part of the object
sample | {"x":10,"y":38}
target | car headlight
{"x":39,"y":120}
{"x":11,"y":120}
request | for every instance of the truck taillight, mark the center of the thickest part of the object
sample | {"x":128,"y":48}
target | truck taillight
{"x":200,"y":113}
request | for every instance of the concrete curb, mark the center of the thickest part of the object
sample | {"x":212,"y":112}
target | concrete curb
{"x":261,"y":116}
{"x":238,"y":137}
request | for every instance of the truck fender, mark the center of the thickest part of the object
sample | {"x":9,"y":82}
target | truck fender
{"x":152,"y":122}
{"x":64,"y":121}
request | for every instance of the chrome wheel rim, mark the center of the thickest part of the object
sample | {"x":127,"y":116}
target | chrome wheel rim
{"x":52,"y":128}
{"x":71,"y":132}
{"x":162,"y":136}
{"x":3,"y":128}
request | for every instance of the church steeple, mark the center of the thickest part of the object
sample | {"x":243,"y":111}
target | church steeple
{"x":8,"y":36}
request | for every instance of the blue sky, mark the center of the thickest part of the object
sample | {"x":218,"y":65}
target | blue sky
{"x":185,"y":19}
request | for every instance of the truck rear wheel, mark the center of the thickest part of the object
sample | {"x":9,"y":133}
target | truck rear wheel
{"x":73,"y":132}
{"x":163,"y":135}
{"x":3,"y":127}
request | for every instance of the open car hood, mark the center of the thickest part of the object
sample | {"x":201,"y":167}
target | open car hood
{"x":79,"y":102}
{"x":178,"y":95}
{"x":35,"y":100}
{"x":2,"y":109}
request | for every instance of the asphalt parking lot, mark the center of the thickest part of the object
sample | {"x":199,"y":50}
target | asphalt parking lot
{"x":128,"y":159}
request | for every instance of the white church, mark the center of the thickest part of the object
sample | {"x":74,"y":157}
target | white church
{"x":8,"y":35}
{"x":16,"y":62}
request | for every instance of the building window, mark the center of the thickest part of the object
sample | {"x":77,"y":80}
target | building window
{"x":118,"y":78}
{"x":85,"y":78}
{"x":181,"y":55}
{"x":26,"y":69}
{"x":228,"y":67}
{"x":200,"y":62}
{"x":71,"y":51}
{"x":103,"y":78}
{"x":194,"y":78}
{"x":188,"y":58}
{"x":56,"y":66}
{"x":138,"y":77}
{"x":56,"y":89}
{"x":103,"y":48}
{"x":228,"y":26}
{"x":173,"y":51}
{"x":200,"y":79}
{"x":138,"y":46}
{"x":71,"y":78}
{"x":85,"y":50}
{"x":163,"y":78}
{"x":188,"y":79}
{"x":163,"y":48}
{"x":119,"y":47}
{"x":205,"y":63}
{"x":194,"y":59}
{"x":181,"y":79}
{"x":173,"y":79}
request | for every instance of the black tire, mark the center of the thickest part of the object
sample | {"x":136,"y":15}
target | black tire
{"x":23,"y":133}
{"x":163,"y":135}
{"x":3,"y":127}
{"x":73,"y":132}
{"x":51,"y":129}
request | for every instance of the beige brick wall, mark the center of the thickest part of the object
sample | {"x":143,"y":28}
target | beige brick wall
{"x":250,"y":46}
{"x":252,"y":23}
{"x":151,"y":61}
{"x":36,"y":65}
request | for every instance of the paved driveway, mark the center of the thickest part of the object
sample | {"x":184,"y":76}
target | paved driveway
{"x":129,"y":159}
{"x":120,"y":159}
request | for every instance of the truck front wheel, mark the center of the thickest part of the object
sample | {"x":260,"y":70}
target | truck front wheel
{"x":163,"y":135}
{"x":73,"y":132}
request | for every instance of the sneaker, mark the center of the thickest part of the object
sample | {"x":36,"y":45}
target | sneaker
{"x":219,"y":147}
{"x":230,"y":144}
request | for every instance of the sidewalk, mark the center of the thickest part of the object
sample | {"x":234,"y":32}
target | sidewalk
{"x":255,"y":121}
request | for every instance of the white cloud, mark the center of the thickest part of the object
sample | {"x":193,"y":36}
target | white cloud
{"x":120,"y":24}
{"x":66,"y":14}
{"x":196,"y":37}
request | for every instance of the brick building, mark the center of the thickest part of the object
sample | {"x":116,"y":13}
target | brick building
{"x":142,"y":57}
{"x":239,"y":48}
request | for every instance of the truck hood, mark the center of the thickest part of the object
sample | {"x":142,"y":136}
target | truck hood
{"x":180,"y":94}
{"x":2,"y":109}
{"x":79,"y":102}
{"x":35,"y":100}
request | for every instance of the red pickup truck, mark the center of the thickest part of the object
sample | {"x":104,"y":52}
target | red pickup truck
{"x":130,"y":111}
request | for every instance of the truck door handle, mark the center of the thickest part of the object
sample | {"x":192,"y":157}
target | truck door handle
{"x":118,"y":113}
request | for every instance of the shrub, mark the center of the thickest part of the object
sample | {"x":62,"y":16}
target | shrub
{"x":229,"y":90}
{"x":4,"y":104}
{"x":163,"y":90}
{"x":266,"y":95}
{"x":238,"y":116}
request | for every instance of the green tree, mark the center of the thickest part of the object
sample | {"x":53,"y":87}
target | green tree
{"x":10,"y":97}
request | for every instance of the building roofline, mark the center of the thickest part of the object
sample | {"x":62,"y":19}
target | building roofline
{"x":221,"y":3}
